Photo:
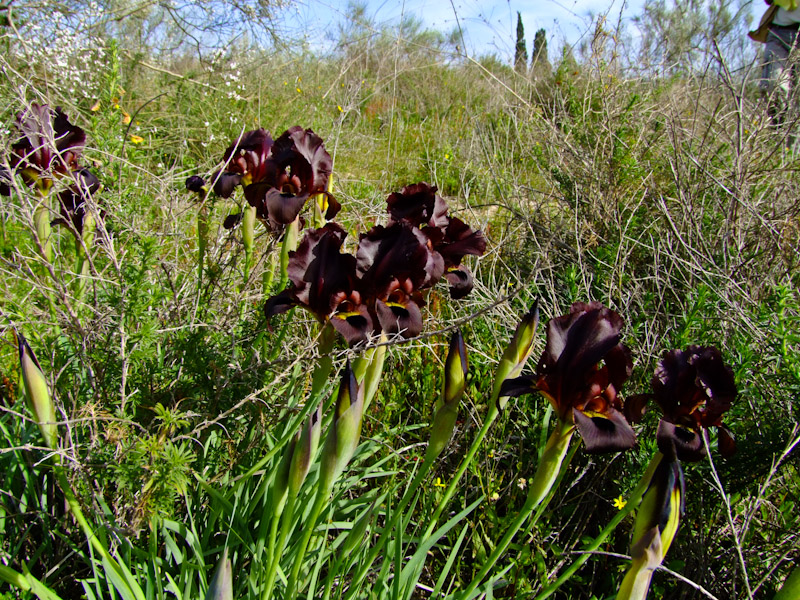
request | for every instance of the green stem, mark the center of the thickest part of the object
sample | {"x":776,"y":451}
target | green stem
{"x":286,"y":524}
{"x":631,"y":505}
{"x":637,"y":581}
{"x":308,"y":531}
{"x":248,"y":239}
{"x":466,"y":461}
{"x":546,"y":474}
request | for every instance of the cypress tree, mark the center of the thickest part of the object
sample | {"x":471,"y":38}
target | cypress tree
{"x":520,"y":50}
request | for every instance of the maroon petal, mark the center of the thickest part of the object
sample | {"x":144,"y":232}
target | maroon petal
{"x":683,"y":442}
{"x":226,"y":183}
{"x":460,"y":240}
{"x":606,"y":432}
{"x":355,"y":326}
{"x":518,"y":386}
{"x":417,"y":204}
{"x":280,"y":303}
{"x":334,"y":206}
{"x":398,"y":252}
{"x":284,"y":208}
{"x":233,"y":220}
{"x":397,"y":318}
{"x":461,"y":282}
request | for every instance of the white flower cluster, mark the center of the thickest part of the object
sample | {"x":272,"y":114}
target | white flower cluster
{"x":231,"y":74}
{"x":60,"y":49}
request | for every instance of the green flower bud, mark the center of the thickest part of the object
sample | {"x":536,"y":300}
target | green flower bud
{"x":221,"y":586}
{"x":375,"y":358}
{"x":654,"y":530}
{"x":41,"y":220}
{"x":248,"y":227}
{"x":303,"y":451}
{"x":37,"y":394}
{"x":516,"y":353}
{"x":342,"y":440}
{"x":455,"y":382}
{"x":455,"y":370}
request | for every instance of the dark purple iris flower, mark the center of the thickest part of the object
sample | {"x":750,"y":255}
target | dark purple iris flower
{"x":72,"y":200}
{"x":581,"y":371}
{"x":694,"y":388}
{"x":278,"y":176}
{"x":324,"y":282}
{"x":49,"y":145}
{"x":381,"y":287}
{"x":394,"y":264}
{"x":419,"y":205}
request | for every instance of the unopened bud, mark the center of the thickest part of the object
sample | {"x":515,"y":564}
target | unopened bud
{"x":39,"y":401}
{"x":221,"y":586}
{"x":304,"y":450}
{"x":446,"y":407}
{"x":342,"y":440}
{"x":455,"y":370}
{"x":516,"y":353}
{"x":654,"y":530}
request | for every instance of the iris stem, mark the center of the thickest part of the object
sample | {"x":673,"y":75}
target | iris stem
{"x":633,"y":502}
{"x":308,"y":531}
{"x":248,"y":239}
{"x":466,"y":461}
{"x":546,"y":474}
{"x":286,"y":523}
{"x":289,"y":245}
{"x":202,"y":242}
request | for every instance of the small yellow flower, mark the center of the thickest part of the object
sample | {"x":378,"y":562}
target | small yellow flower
{"x":95,"y":106}
{"x":126,"y":118}
{"x":299,"y":91}
{"x":438,"y":483}
{"x":620,"y":502}
{"x":339,"y":106}
{"x":136,"y":139}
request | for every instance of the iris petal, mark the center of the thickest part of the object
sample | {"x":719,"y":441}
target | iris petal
{"x":604,"y":432}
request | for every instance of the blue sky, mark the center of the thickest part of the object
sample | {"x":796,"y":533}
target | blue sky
{"x":489,"y":26}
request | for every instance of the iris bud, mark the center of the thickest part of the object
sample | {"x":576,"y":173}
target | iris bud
{"x":221,"y":586}
{"x":516,"y":353}
{"x":654,"y":530}
{"x":455,"y":382}
{"x":342,"y":440}
{"x":303,"y":451}
{"x":39,"y":401}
